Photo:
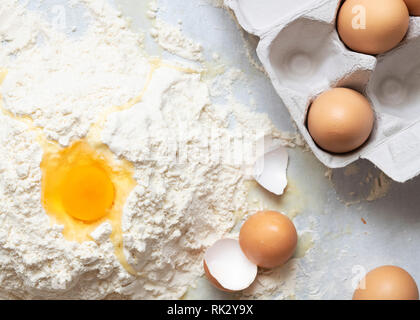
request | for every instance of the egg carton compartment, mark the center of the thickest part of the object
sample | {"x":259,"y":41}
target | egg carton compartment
{"x":395,"y":85}
{"x":316,"y":61}
{"x":303,"y":55}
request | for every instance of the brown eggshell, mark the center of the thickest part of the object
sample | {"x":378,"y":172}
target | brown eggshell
{"x":340,"y":120}
{"x":413,"y":7}
{"x":268,"y":239}
{"x":212,"y":279}
{"x":386,"y":23}
{"x":388,"y":283}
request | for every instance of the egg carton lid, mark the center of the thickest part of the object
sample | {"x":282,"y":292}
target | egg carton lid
{"x":259,"y":17}
{"x":397,"y":149}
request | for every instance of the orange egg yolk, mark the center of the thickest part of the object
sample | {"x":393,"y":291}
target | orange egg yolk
{"x":83,"y":186}
{"x":87,"y":193}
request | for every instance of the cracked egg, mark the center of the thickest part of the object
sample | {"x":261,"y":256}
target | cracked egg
{"x":83,"y":186}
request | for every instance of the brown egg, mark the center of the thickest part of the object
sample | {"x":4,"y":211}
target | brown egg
{"x":268,"y":239}
{"x":387,"y":283}
{"x":413,"y":7}
{"x":340,"y":120}
{"x":372,"y":26}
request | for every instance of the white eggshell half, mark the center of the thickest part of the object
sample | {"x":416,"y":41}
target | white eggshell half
{"x":229,"y":266}
{"x":270,"y":170}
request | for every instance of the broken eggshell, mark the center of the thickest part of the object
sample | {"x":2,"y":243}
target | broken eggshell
{"x":227,"y":267}
{"x":270,"y":169}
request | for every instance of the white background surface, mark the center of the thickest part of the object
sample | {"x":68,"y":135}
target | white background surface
{"x":341,"y":239}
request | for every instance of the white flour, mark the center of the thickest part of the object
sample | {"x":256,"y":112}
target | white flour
{"x":178,"y":208}
{"x":171,"y":39}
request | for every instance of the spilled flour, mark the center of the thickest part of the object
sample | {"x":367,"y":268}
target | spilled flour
{"x":171,"y":39}
{"x":190,"y":164}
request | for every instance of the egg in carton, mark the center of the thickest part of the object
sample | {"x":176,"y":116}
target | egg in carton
{"x":303,"y":55}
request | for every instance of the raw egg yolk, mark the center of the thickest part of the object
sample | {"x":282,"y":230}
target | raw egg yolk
{"x":84,"y":185}
{"x":87,"y":193}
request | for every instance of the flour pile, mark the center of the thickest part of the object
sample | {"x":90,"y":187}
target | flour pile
{"x":63,"y":88}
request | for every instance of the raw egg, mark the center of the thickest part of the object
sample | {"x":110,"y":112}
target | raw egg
{"x":340,"y":120}
{"x":387,"y":283}
{"x":78,"y":182}
{"x":83,"y":186}
{"x":268,"y":239}
{"x":413,"y":7}
{"x":372,"y":26}
{"x":87,"y":192}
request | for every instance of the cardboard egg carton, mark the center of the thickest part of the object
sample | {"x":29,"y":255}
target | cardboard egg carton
{"x":303,"y":56}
